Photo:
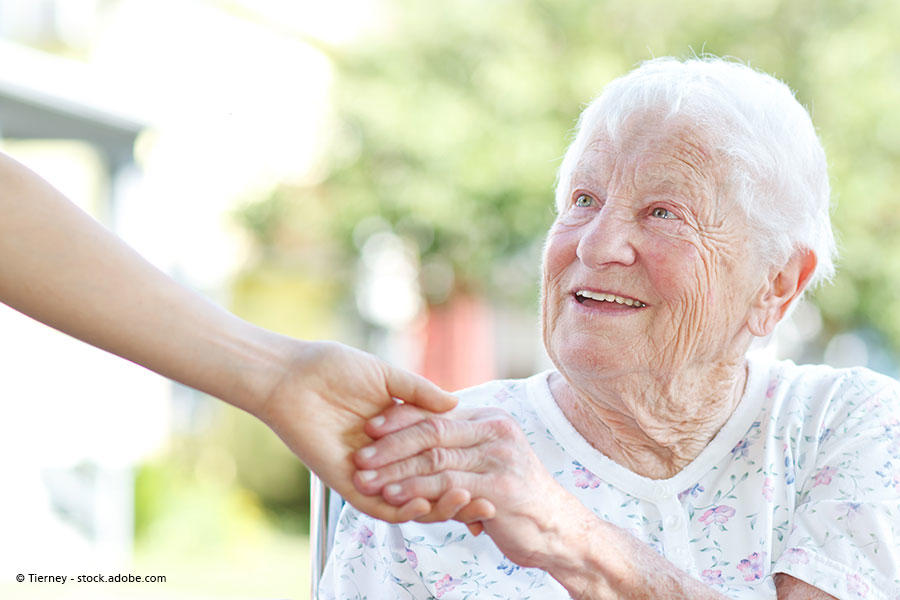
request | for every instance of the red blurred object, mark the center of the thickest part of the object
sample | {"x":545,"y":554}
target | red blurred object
{"x":458,"y":349}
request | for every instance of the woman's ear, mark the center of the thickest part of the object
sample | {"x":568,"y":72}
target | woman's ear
{"x":782,"y":287}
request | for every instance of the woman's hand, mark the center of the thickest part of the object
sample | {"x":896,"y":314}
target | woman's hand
{"x":321,"y":404}
{"x":482,"y":451}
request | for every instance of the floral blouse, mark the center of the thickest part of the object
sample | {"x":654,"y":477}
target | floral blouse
{"x":803,"y":479}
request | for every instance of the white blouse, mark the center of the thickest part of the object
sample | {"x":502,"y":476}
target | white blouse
{"x":803,"y":479}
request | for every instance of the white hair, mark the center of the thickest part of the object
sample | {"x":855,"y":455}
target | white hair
{"x":774,"y":164}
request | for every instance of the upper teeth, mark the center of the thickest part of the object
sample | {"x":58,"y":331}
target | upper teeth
{"x":610,"y":298}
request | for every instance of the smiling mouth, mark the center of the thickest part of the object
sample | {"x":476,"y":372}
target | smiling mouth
{"x":588,"y":297}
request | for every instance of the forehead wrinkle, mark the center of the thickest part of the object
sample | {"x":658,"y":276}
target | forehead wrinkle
{"x":676,"y":158}
{"x":689,"y":150}
{"x":683,"y":147}
{"x":592,"y":166}
{"x":669,"y":174}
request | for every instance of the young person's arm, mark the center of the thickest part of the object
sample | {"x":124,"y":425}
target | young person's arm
{"x":59,"y":266}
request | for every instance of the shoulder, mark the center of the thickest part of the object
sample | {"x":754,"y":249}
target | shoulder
{"x":817,"y":388}
{"x":820,"y":414}
{"x":499,"y":392}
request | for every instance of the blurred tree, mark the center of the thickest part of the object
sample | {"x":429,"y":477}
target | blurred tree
{"x":452,"y":117}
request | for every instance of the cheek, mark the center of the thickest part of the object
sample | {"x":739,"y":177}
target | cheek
{"x":559,"y":252}
{"x":681,"y":271}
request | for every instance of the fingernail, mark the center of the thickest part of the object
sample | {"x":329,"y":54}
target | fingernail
{"x":377,"y":421}
{"x":367,"y":452}
{"x":368,"y":475}
{"x":393,"y":489}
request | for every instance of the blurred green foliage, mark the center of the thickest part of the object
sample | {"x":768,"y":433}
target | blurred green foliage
{"x":452,"y":118}
{"x":209,"y":531}
{"x":221,"y":488}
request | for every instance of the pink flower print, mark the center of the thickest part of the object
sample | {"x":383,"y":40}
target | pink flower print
{"x":796,"y":556}
{"x":445,"y":584}
{"x":718,"y":515}
{"x":856,"y":585}
{"x":584,"y":478}
{"x":502,"y":395}
{"x":824,"y":475}
{"x":768,"y":489}
{"x":364,"y":536}
{"x":770,"y":391}
{"x":712,"y":577}
{"x":752,"y":566}
{"x":412,"y":559}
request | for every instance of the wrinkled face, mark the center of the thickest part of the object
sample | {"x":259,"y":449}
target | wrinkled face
{"x":648,"y":267}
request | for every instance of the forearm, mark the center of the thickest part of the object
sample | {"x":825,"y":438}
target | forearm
{"x":601,"y":560}
{"x":61,"y":267}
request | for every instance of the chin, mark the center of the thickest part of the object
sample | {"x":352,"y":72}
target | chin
{"x":588,"y":361}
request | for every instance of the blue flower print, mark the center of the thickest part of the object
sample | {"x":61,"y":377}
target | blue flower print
{"x":740,"y":450}
{"x":691,"y":491}
{"x":788,"y":469}
{"x":890,"y":475}
{"x":508,"y":567}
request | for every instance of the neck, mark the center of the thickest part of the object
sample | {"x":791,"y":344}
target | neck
{"x":650,"y":425}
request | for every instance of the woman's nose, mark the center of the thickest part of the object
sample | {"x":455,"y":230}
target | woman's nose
{"x":607,"y":239}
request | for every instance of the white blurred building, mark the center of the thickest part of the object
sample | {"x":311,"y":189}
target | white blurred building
{"x":166,"y":115}
{"x":73,"y":420}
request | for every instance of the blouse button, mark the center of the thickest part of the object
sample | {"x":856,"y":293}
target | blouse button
{"x":673,"y":523}
{"x":662,"y":492}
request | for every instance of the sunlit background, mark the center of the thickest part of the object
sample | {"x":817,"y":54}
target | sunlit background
{"x":374,"y":171}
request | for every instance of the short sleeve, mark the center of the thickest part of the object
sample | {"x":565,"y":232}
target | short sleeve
{"x":845,"y":537}
{"x":369,"y":561}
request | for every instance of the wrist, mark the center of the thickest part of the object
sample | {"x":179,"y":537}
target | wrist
{"x":590,"y":559}
{"x":256,"y":364}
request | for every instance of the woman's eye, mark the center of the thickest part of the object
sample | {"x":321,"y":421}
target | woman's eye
{"x":662,"y":213}
{"x":584,"y":201}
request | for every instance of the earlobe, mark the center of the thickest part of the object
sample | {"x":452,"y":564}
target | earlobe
{"x":782,"y":287}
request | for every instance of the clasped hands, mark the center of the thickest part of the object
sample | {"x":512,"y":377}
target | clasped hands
{"x":472,"y":465}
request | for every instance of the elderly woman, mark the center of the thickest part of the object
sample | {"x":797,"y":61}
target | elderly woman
{"x":661,"y":458}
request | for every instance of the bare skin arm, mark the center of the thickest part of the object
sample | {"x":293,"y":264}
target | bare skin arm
{"x":61,"y":267}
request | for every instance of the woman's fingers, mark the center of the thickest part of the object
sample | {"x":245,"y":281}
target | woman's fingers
{"x":430,"y":487}
{"x":458,"y":505}
{"x":431,"y":432}
{"x":455,"y":504}
{"x":414,"y":509}
{"x":468,"y":512}
{"x":394,"y":419}
{"x":414,"y":389}
{"x":477,"y":511}
{"x":449,"y":504}
{"x":429,"y":462}
{"x":480,"y":509}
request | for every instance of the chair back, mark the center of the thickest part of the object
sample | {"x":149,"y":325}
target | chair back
{"x":324,"y":510}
